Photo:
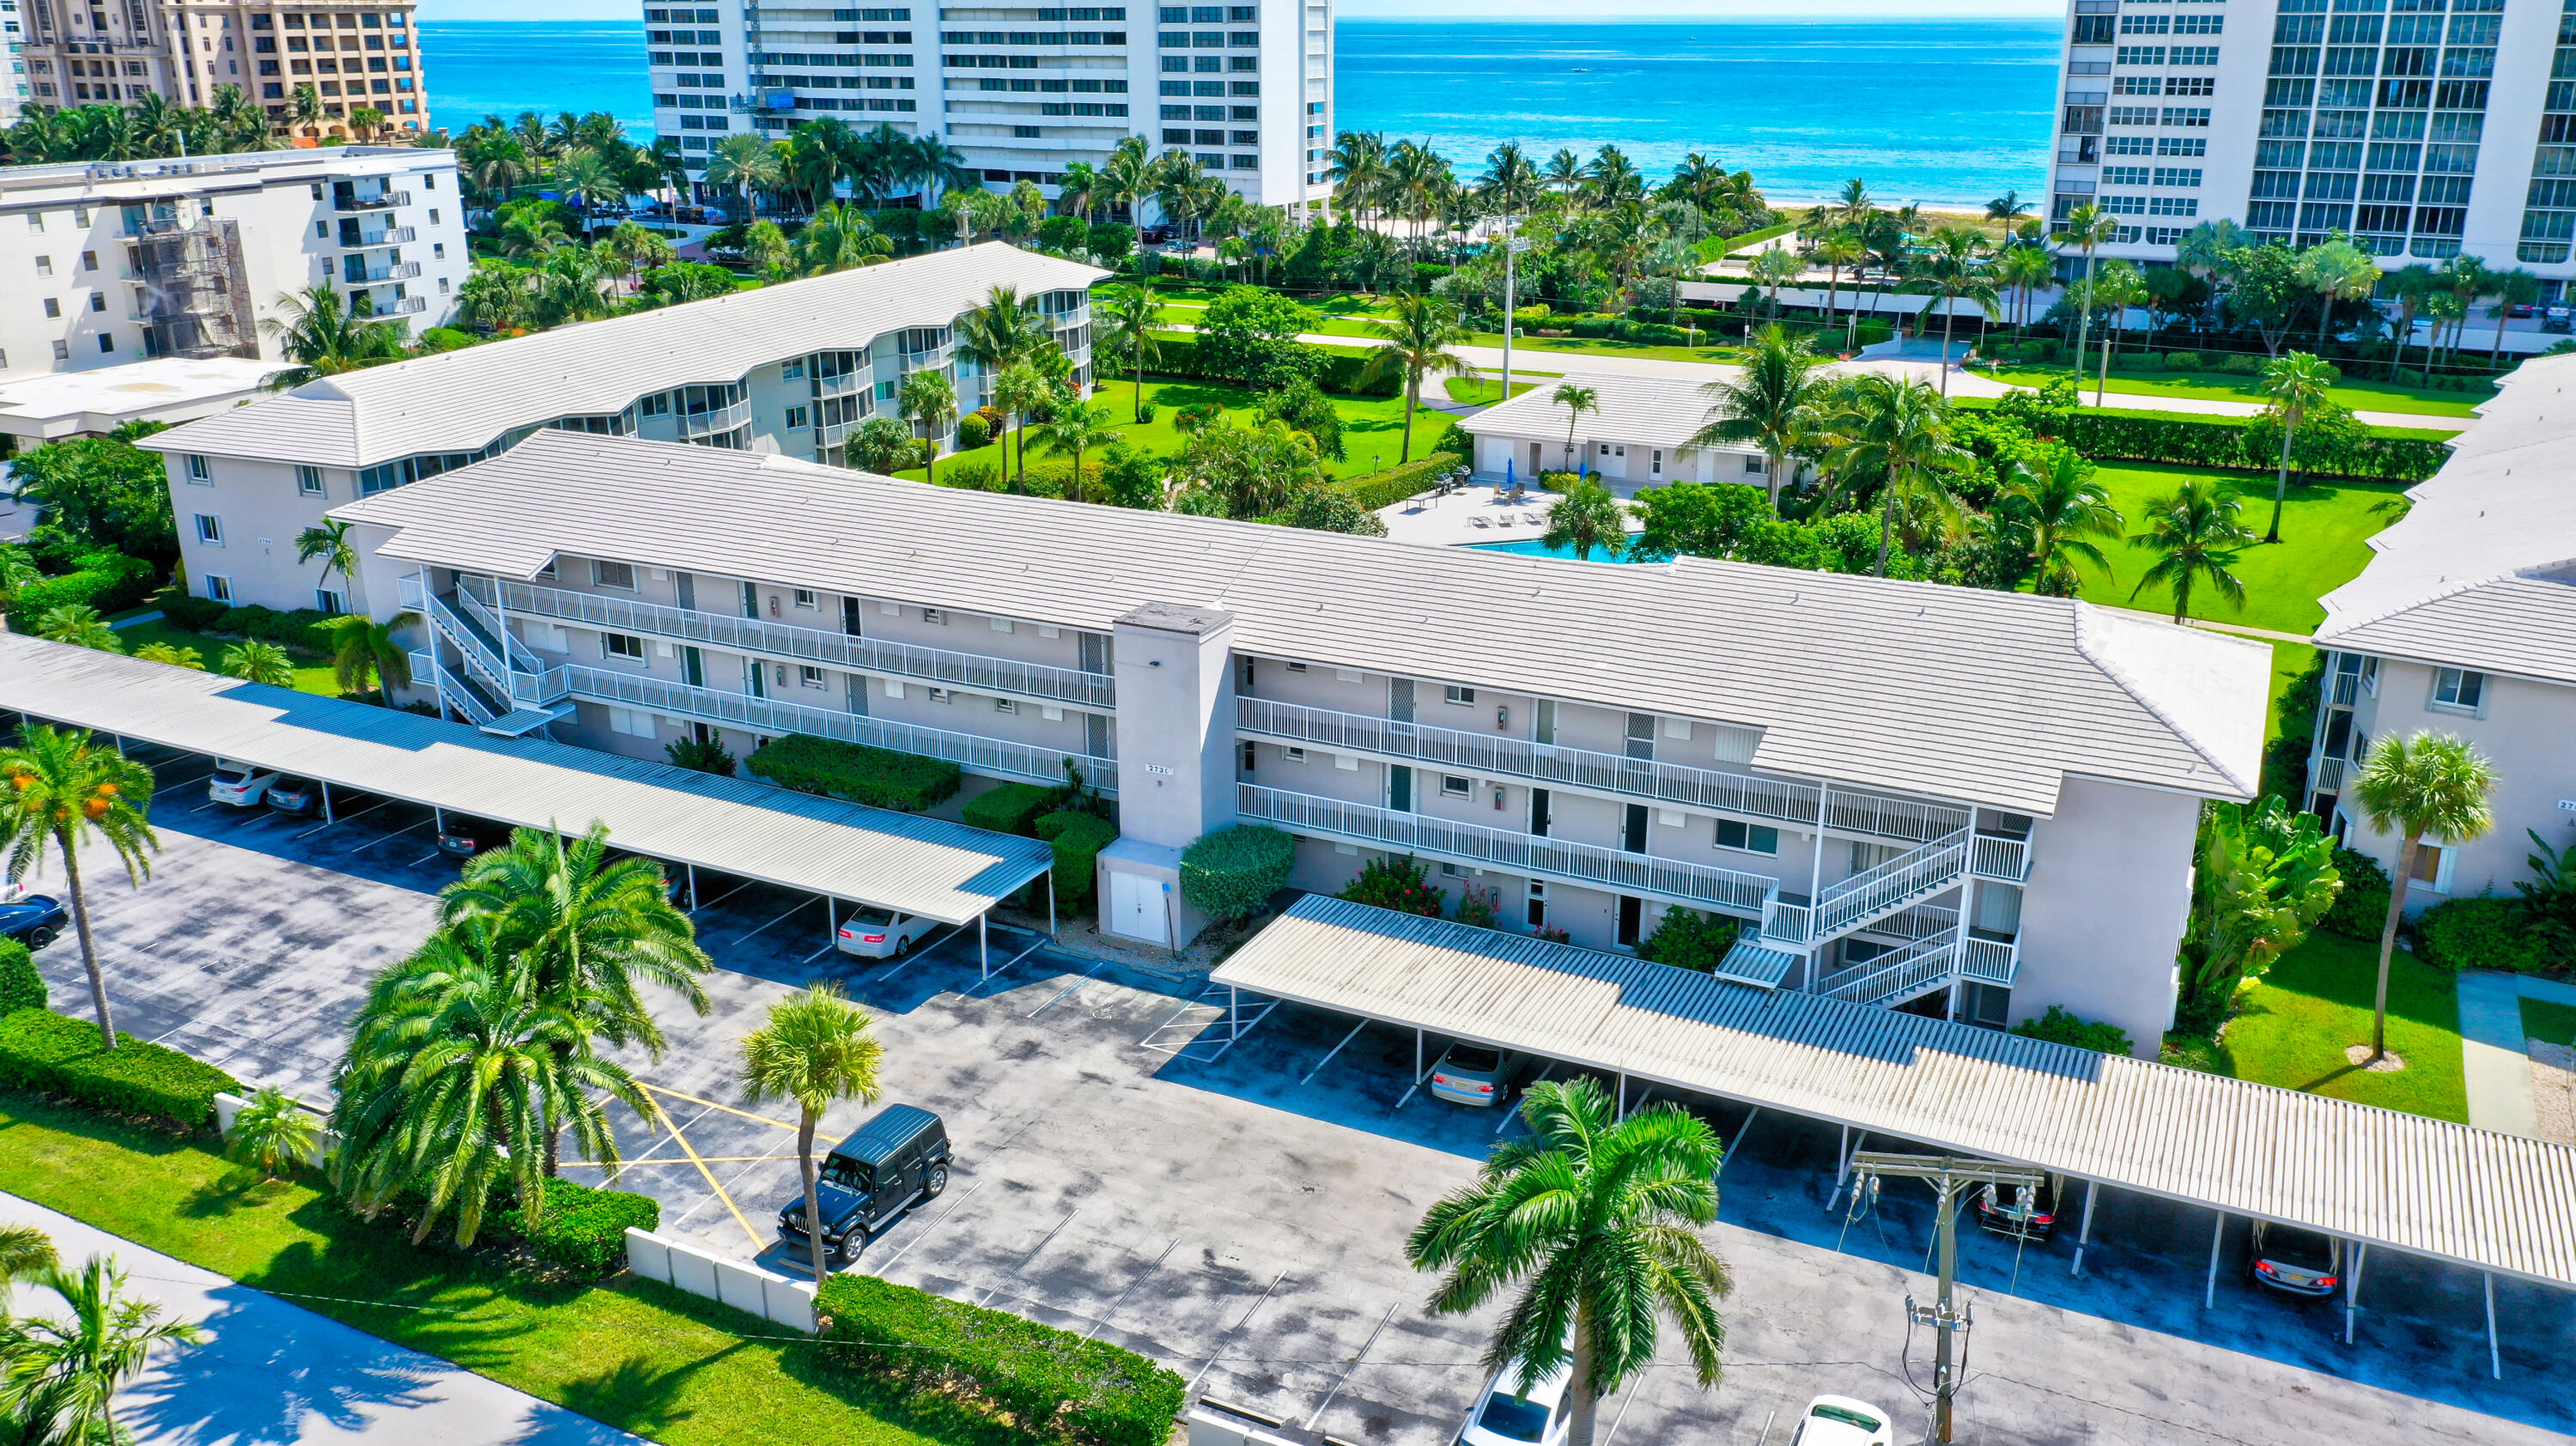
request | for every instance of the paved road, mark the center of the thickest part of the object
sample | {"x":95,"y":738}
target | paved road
{"x":271,"y":1372}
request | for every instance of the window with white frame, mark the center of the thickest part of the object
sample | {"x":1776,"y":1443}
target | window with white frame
{"x":620,"y":575}
{"x":1452,"y":786}
{"x":1464,"y":697}
{"x":199,"y":468}
{"x":625,"y":647}
{"x":308,"y":480}
{"x":633,"y":722}
{"x":1751,"y":838}
{"x":805,"y":599}
{"x":219,"y":589}
{"x":1293,"y":755}
{"x":808,"y":676}
{"x":330,"y":603}
{"x":210,"y":529}
{"x":2432,"y":867}
{"x":2459,"y":689}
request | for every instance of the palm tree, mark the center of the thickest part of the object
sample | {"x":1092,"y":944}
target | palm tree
{"x":1586,"y":517}
{"x":1576,"y":399}
{"x":324,"y":338}
{"x":1511,"y":185}
{"x":80,"y":626}
{"x":1853,"y":205}
{"x":928,"y":399}
{"x":2431,"y":784}
{"x":586,"y":179}
{"x":1898,"y":431}
{"x":25,"y":1253}
{"x":1074,"y":426}
{"x":2007,"y":210}
{"x":765,"y":246}
{"x":1019,"y":391}
{"x":1123,"y":318}
{"x":638,"y":249}
{"x":272,"y":1133}
{"x":1835,"y":253}
{"x":1953,"y":269}
{"x":2335,"y":270}
{"x":55,"y":787}
{"x":838,"y":238}
{"x":459,"y":1076}
{"x":2511,"y":289}
{"x":745,"y":162}
{"x":1415,"y":343}
{"x":328,"y":540}
{"x":2025,"y":269}
{"x":1596,"y":1220}
{"x":367,"y":653}
{"x":494,"y":296}
{"x":2119,"y":287}
{"x":257,"y":662}
{"x":2060,"y":508}
{"x":304,"y":107}
{"x":2297,"y":384}
{"x":2409,"y":287}
{"x":174,"y":656}
{"x":2087,"y":226}
{"x":2195,"y":537}
{"x":1773,"y":404}
{"x":816,"y":1050}
{"x":66,"y":1364}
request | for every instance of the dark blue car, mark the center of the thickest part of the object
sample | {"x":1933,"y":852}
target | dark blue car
{"x":35,"y":921}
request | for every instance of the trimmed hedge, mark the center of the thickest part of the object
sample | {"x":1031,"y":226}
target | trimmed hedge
{"x":1391,"y":486}
{"x":1233,"y":871}
{"x":1089,"y":1391}
{"x":2485,"y":932}
{"x":2198,"y":442}
{"x":194,"y":614}
{"x":21,"y":985}
{"x":1010,"y":808}
{"x":2361,"y":907}
{"x":583,"y":1230}
{"x":60,"y":1055}
{"x":110,"y":582}
{"x":905,"y":782}
{"x":1177,"y":354}
{"x":1078,"y":840}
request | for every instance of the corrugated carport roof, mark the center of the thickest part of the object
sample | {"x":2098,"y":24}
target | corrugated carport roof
{"x":2486,"y":1200}
{"x":947,"y":871}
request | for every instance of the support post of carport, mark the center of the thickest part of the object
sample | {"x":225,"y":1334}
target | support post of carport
{"x":984,"y":952}
{"x":1050,"y":901}
{"x":2084,"y":1237}
{"x":2209,"y":1290}
{"x":326,"y":800}
{"x":2495,"y":1353}
{"x":693,"y":886}
{"x":2352,"y":1287}
{"x":1623,"y":1094}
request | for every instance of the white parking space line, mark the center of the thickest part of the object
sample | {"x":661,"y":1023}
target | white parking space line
{"x":1112,"y":1308}
{"x":382,"y":837}
{"x":703,"y":904}
{"x":993,"y":1290}
{"x":424,"y":858}
{"x":1510,"y":1114}
{"x":1237,"y":1328}
{"x":182,"y":783}
{"x":1353,"y":1368}
{"x":1627,"y":1400}
{"x":934,"y":1225}
{"x":1068,"y":990}
{"x":799,"y":907}
{"x":344,"y":818}
{"x":928,"y":943}
{"x":1336,"y":1049}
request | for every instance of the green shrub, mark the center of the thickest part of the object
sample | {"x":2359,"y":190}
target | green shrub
{"x":1337,"y":368}
{"x":978,"y":475}
{"x":1090,"y":1391}
{"x":111,"y":582}
{"x":1146,"y":412}
{"x":1078,"y":840}
{"x":22,"y":985}
{"x":2216,"y":442}
{"x":298,"y":629}
{"x":1689,"y":939}
{"x":2059,"y":1027}
{"x":2361,"y":910}
{"x":1395,"y":883}
{"x":1010,"y":808}
{"x":1374,"y":490}
{"x":2485,"y":932}
{"x":709,"y":756}
{"x":972,"y":432}
{"x":196,"y":614}
{"x":60,"y":1055}
{"x":583,"y":1230}
{"x":1233,"y":871}
{"x":2182,"y":361}
{"x":905,"y":782}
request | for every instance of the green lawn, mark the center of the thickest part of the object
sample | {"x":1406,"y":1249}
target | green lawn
{"x":634,"y":1354}
{"x":2549,"y":1021}
{"x":1372,"y":427}
{"x":1333,"y":319}
{"x":2299,"y":1018}
{"x":309,"y":677}
{"x":2325,"y":527}
{"x":1485,"y":391}
{"x":1605,"y":346}
{"x":2357,"y":394}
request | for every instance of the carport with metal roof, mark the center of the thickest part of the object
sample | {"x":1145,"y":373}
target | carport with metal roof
{"x":839,"y":851}
{"x":2489,"y":1202}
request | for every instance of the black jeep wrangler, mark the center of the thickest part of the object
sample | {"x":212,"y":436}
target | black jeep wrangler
{"x":896,"y":1159}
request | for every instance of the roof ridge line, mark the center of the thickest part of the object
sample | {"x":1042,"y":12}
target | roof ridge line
{"x":2085,"y":612}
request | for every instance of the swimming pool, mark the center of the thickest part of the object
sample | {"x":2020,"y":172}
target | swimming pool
{"x":1532,"y":547}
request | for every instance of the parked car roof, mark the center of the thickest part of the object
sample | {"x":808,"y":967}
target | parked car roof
{"x":889,"y":1130}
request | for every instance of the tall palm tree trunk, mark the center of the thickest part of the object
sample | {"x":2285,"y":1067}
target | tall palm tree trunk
{"x":1585,"y":1415}
{"x":2281,"y":483}
{"x":1949,"y":319}
{"x":2388,"y":943}
{"x":1412,"y":395}
{"x":813,"y":1202}
{"x":1886,"y":523}
{"x":88,"y":943}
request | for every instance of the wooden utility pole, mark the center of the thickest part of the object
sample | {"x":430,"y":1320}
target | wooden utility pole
{"x":1950,"y":1176}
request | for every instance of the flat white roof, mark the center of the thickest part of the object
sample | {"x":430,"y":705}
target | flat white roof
{"x":105,"y":398}
{"x":2475,"y":1197}
{"x":948,"y":871}
{"x":2481,"y":571}
{"x":1645,"y":411}
{"x":58,"y":181}
{"x":1959,"y":693}
{"x":462,"y":401}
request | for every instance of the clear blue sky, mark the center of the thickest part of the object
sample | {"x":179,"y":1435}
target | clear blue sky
{"x":1444,"y":9}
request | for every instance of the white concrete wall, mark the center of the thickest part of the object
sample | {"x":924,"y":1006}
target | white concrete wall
{"x":2104,"y":911}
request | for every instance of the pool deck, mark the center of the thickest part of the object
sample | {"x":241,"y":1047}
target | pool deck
{"x":1472,"y":516}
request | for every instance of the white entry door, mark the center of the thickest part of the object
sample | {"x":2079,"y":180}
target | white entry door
{"x":1136,"y":909}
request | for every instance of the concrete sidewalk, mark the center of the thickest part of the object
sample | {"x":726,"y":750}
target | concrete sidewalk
{"x":271,"y":1372}
{"x":2495,"y":1060}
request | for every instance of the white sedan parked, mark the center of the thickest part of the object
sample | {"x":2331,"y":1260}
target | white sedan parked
{"x":874,"y":933}
{"x":243,"y":785}
{"x":1842,"y":1421}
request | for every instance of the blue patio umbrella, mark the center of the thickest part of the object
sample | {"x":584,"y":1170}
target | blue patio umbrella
{"x":1511,"y":476}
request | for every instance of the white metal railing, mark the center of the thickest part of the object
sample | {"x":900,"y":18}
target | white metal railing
{"x":942,"y":666}
{"x":1896,"y":976}
{"x":2347,"y":688}
{"x":521,"y":655}
{"x":405,"y":306}
{"x":467,"y":701}
{"x":844,"y":384}
{"x":712,"y":420}
{"x":833,"y":434}
{"x":391,"y":271}
{"x":1849,"y":904}
{"x":390,"y":236}
{"x":376,"y":202}
{"x":1995,"y":856}
{"x":1989,"y":961}
{"x":478,"y":654}
{"x":1526,"y":853}
{"x":770,"y":715}
{"x":2329,"y":776}
{"x":1903,"y":818}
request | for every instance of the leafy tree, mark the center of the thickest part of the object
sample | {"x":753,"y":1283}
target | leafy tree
{"x":367,"y":652}
{"x":324,"y":338}
{"x":64,"y":1366}
{"x":2549,"y":895}
{"x":2430,"y":785}
{"x":1587,"y":517}
{"x":2195,"y":538}
{"x":79,"y":625}
{"x":1696,"y":518}
{"x":1302,"y":407}
{"x":2267,"y":291}
{"x":684,"y":281}
{"x":258,"y":662}
{"x":273,"y":1133}
{"x":1415,"y":344}
{"x":2262,"y":875}
{"x":1593,"y":1222}
{"x":817,"y":1050}
{"x":1110,"y":243}
{"x":1898,"y":431}
{"x":1246,"y":327}
{"x":56,"y":787}
{"x":2297,"y":384}
{"x":837,"y":238}
{"x":1132,"y":477}
{"x":881,"y":444}
{"x":1248,"y":471}
{"x":1320,"y":507}
{"x":1689,"y":939}
{"x":929,"y":400}
{"x":103,"y":491}
{"x":2335,"y":270}
{"x":765,"y":247}
{"x":2055,"y":504}
{"x":1775,"y":403}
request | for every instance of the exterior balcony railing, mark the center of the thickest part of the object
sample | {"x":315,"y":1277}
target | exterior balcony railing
{"x":974,"y":672}
{"x":844,"y":384}
{"x":371,"y":203}
{"x":390,"y":271}
{"x":2347,"y":689}
{"x":1989,"y":961}
{"x":1995,"y":856}
{"x":712,"y":420}
{"x":833,"y":434}
{"x":992,"y":756}
{"x":1694,"y":884}
{"x":390,"y":236}
{"x":400,"y":306}
{"x":909,"y":362}
{"x":1854,"y":903}
{"x":2327,"y":776}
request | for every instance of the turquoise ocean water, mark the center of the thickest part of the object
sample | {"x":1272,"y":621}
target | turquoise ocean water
{"x":1950,"y":111}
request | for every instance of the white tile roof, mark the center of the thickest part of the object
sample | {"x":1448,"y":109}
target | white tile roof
{"x":2481,"y":573}
{"x":1955,"y":692}
{"x":2486,"y":1200}
{"x":948,"y":871}
{"x":464,"y":400}
{"x":1646,"y":411}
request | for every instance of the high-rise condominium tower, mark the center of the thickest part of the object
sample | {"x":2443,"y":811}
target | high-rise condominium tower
{"x":2420,"y":128}
{"x":1021,"y":90}
{"x":355,"y":54}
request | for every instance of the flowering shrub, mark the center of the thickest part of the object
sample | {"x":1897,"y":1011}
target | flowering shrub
{"x":1397,"y":884}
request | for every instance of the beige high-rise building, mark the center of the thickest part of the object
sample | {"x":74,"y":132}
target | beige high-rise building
{"x":354,"y":53}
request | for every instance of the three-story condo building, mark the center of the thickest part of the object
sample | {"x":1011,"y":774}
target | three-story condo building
{"x":790,"y":369}
{"x":1918,"y":796}
{"x":2465,"y":623}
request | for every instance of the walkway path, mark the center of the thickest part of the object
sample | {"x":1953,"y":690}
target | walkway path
{"x":2494,"y":1054}
{"x":271,"y":1372}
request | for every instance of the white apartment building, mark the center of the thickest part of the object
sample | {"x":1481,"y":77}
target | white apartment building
{"x":352,"y":52}
{"x":108,"y":262}
{"x":1021,"y":90}
{"x":2465,"y":623}
{"x":1636,"y":436}
{"x":2422,"y":128}
{"x":790,"y":369}
{"x":1923,"y":797}
{"x":15,"y":89}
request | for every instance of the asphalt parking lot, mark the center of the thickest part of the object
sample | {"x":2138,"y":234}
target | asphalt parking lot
{"x":1241,"y":1217}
